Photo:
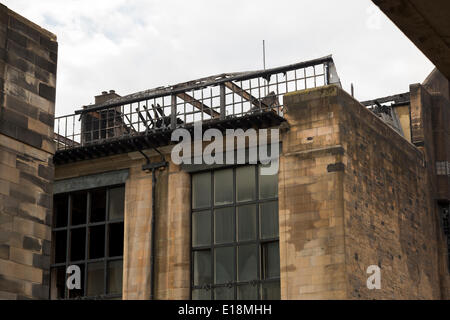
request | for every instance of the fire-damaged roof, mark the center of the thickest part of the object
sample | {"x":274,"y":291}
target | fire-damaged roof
{"x":147,"y":119}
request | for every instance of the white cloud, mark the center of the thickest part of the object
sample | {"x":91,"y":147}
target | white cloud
{"x":136,"y":45}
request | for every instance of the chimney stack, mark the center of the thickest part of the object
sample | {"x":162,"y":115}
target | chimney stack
{"x":105,"y":96}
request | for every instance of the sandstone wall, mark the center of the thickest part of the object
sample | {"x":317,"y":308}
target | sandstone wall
{"x":311,"y":210}
{"x":354,"y":193}
{"x":390,"y":212}
{"x":28,"y":56}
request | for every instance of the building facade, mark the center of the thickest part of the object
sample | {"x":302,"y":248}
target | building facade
{"x":359,"y":185}
{"x":99,"y":199}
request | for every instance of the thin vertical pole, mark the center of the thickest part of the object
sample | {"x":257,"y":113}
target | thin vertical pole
{"x":264,"y":65}
{"x":264,"y":54}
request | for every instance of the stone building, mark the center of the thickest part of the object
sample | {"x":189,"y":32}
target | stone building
{"x":360,"y":185}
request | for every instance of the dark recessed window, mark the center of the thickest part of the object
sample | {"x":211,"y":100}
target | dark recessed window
{"x":97,"y":242}
{"x":60,"y":246}
{"x":445,"y":216}
{"x":61,"y":206}
{"x":115,"y":239}
{"x":235,"y":247}
{"x":88,"y":232}
{"x":79,"y":208}
{"x":98,"y":205}
{"x":78,"y":244}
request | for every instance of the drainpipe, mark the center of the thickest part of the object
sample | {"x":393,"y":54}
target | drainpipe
{"x":153,"y":168}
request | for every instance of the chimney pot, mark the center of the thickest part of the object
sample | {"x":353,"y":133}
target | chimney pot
{"x":104,"y":93}
{"x":112,"y":91}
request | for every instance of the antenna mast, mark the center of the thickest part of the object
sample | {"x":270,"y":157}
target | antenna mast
{"x":264,"y":54}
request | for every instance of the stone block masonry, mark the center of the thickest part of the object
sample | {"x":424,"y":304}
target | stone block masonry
{"x":28,"y":59}
{"x":354,"y":193}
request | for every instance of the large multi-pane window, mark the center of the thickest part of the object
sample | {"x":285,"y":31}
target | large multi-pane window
{"x":235,"y":240}
{"x":88,"y":233}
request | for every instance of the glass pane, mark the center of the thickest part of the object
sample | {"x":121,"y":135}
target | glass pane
{"x":224,"y":225}
{"x":116,"y":203}
{"x":271,"y":291}
{"x":58,"y":283}
{"x":201,"y":294}
{"x":201,"y":228}
{"x":78,"y":244}
{"x":247,"y":223}
{"x":201,"y":190}
{"x":245,"y":184}
{"x":115,"y":274}
{"x":61,"y":210}
{"x":98,"y":205}
{"x":60,"y":246}
{"x":77,"y":293}
{"x":96,"y":279}
{"x":247,"y":263}
{"x":269,"y":220}
{"x":96,"y":242}
{"x":271,"y":258}
{"x":116,"y":239}
{"x":202,"y":268}
{"x":223,"y":187}
{"x":79,"y":208}
{"x":224,"y":293}
{"x":224,"y":265}
{"x":268,"y":186}
{"x":248,"y":292}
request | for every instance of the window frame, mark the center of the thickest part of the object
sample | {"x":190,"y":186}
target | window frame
{"x":106,"y":259}
{"x":235,"y":244}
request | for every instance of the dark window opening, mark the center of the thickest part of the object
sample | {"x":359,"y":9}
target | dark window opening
{"x":445,"y":215}
{"x":78,"y":244}
{"x":235,"y":246}
{"x":98,"y":207}
{"x":88,"y":232}
{"x":60,"y":245}
{"x":61,"y":206}
{"x":97,"y":242}
{"x":115,"y":239}
{"x":79,"y":208}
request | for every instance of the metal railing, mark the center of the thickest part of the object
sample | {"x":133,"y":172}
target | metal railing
{"x":220,"y":97}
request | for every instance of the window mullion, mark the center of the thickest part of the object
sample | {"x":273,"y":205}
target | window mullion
{"x":68,"y":244}
{"x":106,"y":249}
{"x":86,"y":248}
{"x":213,"y":275}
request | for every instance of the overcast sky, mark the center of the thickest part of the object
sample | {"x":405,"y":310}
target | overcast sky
{"x":133,"y":45}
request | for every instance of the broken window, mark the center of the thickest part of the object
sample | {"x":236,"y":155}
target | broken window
{"x":235,"y":246}
{"x":88,"y":232}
